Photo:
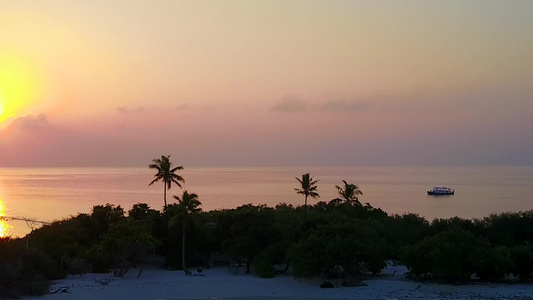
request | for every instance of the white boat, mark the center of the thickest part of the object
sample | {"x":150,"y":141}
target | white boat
{"x":440,"y":191}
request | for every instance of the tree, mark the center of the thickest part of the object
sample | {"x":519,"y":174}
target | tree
{"x":337,"y":242}
{"x":103,"y":216}
{"x":349,"y":193}
{"x":166,"y":173}
{"x":143,"y":212}
{"x":308,"y":188}
{"x":451,"y":255}
{"x":522,"y":256}
{"x":126,"y":243}
{"x":247,"y":231}
{"x":496,"y":263}
{"x":187,"y":204}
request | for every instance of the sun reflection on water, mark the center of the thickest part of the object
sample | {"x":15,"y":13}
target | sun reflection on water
{"x":4,"y":226}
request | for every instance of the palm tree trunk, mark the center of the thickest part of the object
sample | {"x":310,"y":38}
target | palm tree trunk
{"x":183,"y":249}
{"x":165,"y":193}
{"x":305,"y":211}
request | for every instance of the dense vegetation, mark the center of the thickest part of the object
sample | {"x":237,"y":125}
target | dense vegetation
{"x":338,"y":236}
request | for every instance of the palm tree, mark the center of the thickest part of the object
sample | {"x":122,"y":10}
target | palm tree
{"x":166,"y":173}
{"x":349,"y":193}
{"x":187,"y":204}
{"x":308,"y":188}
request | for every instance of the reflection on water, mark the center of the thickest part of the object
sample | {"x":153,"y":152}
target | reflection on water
{"x":4,"y":226}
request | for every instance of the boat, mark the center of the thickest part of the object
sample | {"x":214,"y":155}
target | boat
{"x":440,"y":191}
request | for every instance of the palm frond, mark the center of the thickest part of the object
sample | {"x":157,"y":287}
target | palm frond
{"x":308,"y":186}
{"x":165,"y":172}
{"x":349,"y":192}
{"x":176,"y":168}
{"x":176,"y":182}
{"x":154,"y":181}
{"x":154,"y":166}
{"x":189,"y":203}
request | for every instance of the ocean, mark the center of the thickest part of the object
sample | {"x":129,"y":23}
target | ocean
{"x":48,"y":194}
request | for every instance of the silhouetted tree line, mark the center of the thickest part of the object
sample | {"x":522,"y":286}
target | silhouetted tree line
{"x":313,"y":240}
{"x":341,"y":237}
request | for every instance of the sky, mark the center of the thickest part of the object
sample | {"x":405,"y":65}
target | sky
{"x":266,"y":83}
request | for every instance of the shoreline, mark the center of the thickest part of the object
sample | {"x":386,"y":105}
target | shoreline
{"x":219,"y":283}
{"x":270,"y":186}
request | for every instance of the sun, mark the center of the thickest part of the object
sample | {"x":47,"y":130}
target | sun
{"x":17,"y":85}
{"x":4,"y":226}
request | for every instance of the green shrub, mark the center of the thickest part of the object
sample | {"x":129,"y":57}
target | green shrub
{"x":494,"y":264}
{"x":449,"y":255}
{"x":98,"y":259}
{"x":48,"y":268}
{"x":352,"y":244}
{"x":522,"y":256}
{"x":20,"y":274}
{"x":263,"y":266}
{"x":270,"y":256}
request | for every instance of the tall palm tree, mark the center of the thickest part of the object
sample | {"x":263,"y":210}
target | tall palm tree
{"x":187,"y":204}
{"x":166,"y":173}
{"x":349,"y":193}
{"x":308,"y":187}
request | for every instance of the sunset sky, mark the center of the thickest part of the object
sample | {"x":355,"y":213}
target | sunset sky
{"x":266,"y":83}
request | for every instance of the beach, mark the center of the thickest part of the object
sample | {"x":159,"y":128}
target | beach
{"x":219,"y":283}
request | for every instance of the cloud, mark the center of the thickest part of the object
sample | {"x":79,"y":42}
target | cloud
{"x":126,"y":110}
{"x":30,"y":122}
{"x":291,"y":103}
{"x":123,"y":110}
{"x":344,"y":106}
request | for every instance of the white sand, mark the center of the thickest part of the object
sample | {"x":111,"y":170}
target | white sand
{"x":219,"y":283}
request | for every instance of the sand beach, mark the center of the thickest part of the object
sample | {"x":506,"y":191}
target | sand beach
{"x":219,"y":283}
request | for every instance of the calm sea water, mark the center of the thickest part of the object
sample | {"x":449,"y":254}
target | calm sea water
{"x":54,"y":193}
